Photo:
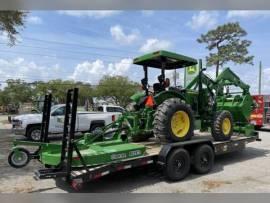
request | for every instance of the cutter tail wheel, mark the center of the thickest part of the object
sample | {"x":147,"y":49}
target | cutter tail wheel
{"x":173,"y":121}
{"x":19,"y":158}
{"x":222,"y":127}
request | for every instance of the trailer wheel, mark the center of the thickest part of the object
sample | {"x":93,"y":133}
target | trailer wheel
{"x":19,"y":158}
{"x":173,"y":121}
{"x":203,"y":159}
{"x":222,"y":126}
{"x":178,"y":164}
{"x":34,"y":133}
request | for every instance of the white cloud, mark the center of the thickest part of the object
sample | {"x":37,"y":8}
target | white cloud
{"x":119,"y":35}
{"x":204,"y":19}
{"x":93,"y":71}
{"x":28,"y":70}
{"x":247,"y":14}
{"x":4,"y":36}
{"x":35,"y":20}
{"x":92,"y":14}
{"x":147,"y":12}
{"x":154,"y":44}
{"x":120,"y":68}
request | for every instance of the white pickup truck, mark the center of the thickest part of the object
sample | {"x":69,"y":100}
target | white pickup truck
{"x":29,"y":125}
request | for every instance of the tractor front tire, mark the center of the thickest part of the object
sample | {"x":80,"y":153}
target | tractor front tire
{"x":222,"y":126}
{"x":173,"y":121}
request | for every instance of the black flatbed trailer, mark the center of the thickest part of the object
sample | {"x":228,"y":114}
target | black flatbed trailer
{"x":174,"y":158}
{"x":156,"y":153}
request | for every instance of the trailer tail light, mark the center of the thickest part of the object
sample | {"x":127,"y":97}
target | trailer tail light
{"x":149,"y":102}
{"x":113,"y":117}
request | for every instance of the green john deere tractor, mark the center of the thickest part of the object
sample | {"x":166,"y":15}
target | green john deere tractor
{"x":172,"y":114}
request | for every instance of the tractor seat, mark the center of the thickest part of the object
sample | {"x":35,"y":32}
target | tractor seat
{"x":158,"y":87}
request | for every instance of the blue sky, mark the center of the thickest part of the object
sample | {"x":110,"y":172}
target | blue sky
{"x":85,"y":45}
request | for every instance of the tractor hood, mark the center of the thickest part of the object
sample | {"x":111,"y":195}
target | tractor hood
{"x":137,"y":96}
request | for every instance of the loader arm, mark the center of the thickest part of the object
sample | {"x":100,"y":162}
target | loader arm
{"x":227,"y":77}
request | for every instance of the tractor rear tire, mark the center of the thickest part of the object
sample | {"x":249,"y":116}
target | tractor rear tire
{"x":173,"y":121}
{"x":222,"y":126}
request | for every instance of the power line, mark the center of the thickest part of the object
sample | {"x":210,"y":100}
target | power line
{"x":78,"y":52}
{"x":79,"y":45}
{"x":62,"y":57}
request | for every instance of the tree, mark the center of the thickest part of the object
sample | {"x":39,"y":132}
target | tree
{"x":117,"y":88}
{"x":59,"y":88}
{"x":10,"y":21}
{"x":227,"y":45}
{"x":16,"y":92}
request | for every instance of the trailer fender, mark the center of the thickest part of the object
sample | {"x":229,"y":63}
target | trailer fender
{"x":188,"y":145}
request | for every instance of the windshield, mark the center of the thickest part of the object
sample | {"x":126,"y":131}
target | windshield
{"x":55,"y":107}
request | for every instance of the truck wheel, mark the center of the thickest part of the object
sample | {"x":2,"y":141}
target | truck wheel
{"x":173,"y":121}
{"x":203,"y":159}
{"x":34,"y":133}
{"x":96,"y":127}
{"x":222,"y":127}
{"x":178,"y":164}
{"x":19,"y":158}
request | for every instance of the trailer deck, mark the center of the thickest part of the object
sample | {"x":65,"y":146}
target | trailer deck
{"x":80,"y":175}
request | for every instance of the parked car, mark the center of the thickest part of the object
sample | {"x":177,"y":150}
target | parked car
{"x":29,"y":125}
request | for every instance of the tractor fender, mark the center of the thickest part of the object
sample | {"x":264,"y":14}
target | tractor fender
{"x":161,"y":97}
{"x":190,"y":146}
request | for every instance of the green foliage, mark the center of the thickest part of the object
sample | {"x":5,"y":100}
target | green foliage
{"x":117,"y":88}
{"x":226,"y":44}
{"x":15,"y":92}
{"x":58,"y":88}
{"x":10,"y":21}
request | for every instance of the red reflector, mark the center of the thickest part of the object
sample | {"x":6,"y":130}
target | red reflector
{"x":76,"y":158}
{"x":96,"y":176}
{"x":113,"y":117}
{"x":119,"y":168}
{"x":149,"y":101}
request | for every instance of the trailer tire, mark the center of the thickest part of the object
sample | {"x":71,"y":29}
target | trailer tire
{"x":173,"y":121}
{"x":34,"y":133}
{"x":203,"y":159}
{"x":18,"y":163}
{"x":222,"y":126}
{"x":177,"y":165}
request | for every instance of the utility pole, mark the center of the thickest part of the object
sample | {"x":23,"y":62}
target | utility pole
{"x":174,"y":77}
{"x":260,"y":77}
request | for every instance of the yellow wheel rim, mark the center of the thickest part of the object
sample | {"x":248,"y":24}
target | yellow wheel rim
{"x":180,"y":123}
{"x":226,"y":126}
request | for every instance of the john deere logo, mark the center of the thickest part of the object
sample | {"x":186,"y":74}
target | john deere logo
{"x":191,"y":69}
